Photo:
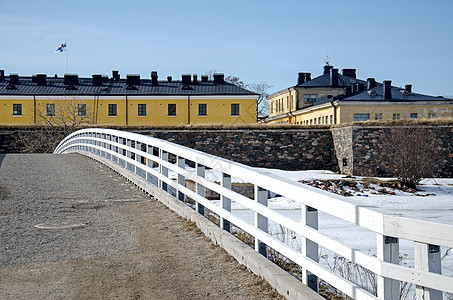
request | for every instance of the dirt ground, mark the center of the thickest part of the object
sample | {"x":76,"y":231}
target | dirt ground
{"x":128,"y":249}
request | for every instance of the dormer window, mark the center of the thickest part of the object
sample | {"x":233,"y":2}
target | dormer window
{"x":310,"y":98}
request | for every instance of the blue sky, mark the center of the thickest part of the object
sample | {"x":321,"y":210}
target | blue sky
{"x":408,"y":42}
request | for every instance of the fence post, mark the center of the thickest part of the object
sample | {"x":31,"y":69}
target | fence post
{"x":138,"y":158}
{"x":201,"y":171}
{"x":309,"y":248}
{"x":225,"y":202}
{"x":261,"y":222}
{"x":163,"y":155}
{"x":388,"y":251}
{"x":181,"y":178}
{"x":427,"y":258}
{"x":149,"y":162}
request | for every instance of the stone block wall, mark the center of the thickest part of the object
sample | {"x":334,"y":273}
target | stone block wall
{"x":352,"y":150}
{"x":367,"y":151}
{"x":342,"y":141}
{"x":294,"y":149}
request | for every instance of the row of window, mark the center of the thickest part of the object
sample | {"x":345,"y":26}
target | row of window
{"x":396,"y":116}
{"x":278,"y":105}
{"x":112,"y":111}
{"x":318,"y":121}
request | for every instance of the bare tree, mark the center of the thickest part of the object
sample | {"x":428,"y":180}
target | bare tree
{"x":259,"y":88}
{"x":68,"y":115}
{"x":409,"y":154}
{"x":56,"y":119}
{"x":236,"y":81}
{"x":262,"y":106}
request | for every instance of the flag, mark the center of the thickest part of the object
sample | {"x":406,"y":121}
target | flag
{"x":61,"y":47}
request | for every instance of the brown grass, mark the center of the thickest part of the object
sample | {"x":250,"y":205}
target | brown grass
{"x":257,"y":126}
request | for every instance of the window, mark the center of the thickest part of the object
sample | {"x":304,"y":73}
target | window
{"x":319,"y":120}
{"x":414,"y":116}
{"x":82,"y":110}
{"x":309,"y":98}
{"x":202,"y":109}
{"x":17,"y":109}
{"x":331,"y":119}
{"x":378,"y":116}
{"x":50,"y":110}
{"x":172,"y":109}
{"x":112,"y":109}
{"x":396,"y":116}
{"x":142,"y":109}
{"x":314,"y":121}
{"x":235,"y":109}
{"x":361,"y":117}
{"x":431,"y":115}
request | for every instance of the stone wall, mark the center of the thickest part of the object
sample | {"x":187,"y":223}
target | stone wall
{"x":342,"y":142}
{"x":298,"y":149}
{"x":367,"y":151}
{"x":352,"y":150}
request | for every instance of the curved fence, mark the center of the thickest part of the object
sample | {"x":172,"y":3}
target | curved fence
{"x":152,"y":159}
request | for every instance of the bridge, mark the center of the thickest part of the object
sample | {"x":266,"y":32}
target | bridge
{"x":164,"y":170}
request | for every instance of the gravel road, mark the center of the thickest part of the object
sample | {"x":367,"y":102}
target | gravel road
{"x":71,"y":228}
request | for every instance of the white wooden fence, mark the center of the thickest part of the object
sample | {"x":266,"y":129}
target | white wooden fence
{"x":149,"y":158}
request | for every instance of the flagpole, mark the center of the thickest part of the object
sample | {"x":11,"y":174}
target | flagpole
{"x":67,"y":71}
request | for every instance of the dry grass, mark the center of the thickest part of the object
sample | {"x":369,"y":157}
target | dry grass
{"x":257,"y":126}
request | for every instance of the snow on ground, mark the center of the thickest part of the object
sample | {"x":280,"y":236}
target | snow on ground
{"x":434,"y":202}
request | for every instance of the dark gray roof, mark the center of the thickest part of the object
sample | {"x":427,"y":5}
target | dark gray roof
{"x":324,"y":81}
{"x":56,"y":86}
{"x":398,"y":94}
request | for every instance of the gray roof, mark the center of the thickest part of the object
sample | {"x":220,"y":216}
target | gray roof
{"x":376,"y":94}
{"x":398,"y":94}
{"x":56,"y":86}
{"x":324,"y":80}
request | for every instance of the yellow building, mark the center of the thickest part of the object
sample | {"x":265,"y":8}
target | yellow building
{"x":130,"y":101}
{"x":334,"y":98}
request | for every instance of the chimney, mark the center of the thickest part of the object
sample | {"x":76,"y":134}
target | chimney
{"x":41,"y":79}
{"x":361,"y":87}
{"x":105,"y":79}
{"x":334,"y":77}
{"x":154,"y":76}
{"x":348,"y":91}
{"x":409,"y":88}
{"x":97,"y":79}
{"x":307,"y":77}
{"x":371,"y":83}
{"x":355,"y":88}
{"x":301,"y":78}
{"x":169,"y":78}
{"x":195,"y":79}
{"x":132,"y":79}
{"x":204,"y":78}
{"x":349,"y":73}
{"x":387,"y":95}
{"x":2,"y":75}
{"x":186,"y":79}
{"x":115,"y":75}
{"x":327,"y":69}
{"x":14,"y":79}
{"x":71,"y":79}
{"x":219,"y":79}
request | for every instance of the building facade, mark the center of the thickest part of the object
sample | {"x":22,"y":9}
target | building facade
{"x":334,"y":98}
{"x":130,"y":101}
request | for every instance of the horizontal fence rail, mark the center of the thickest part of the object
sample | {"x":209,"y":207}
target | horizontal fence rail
{"x":152,"y":159}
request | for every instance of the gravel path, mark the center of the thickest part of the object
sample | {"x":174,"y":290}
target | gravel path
{"x":71,"y":228}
